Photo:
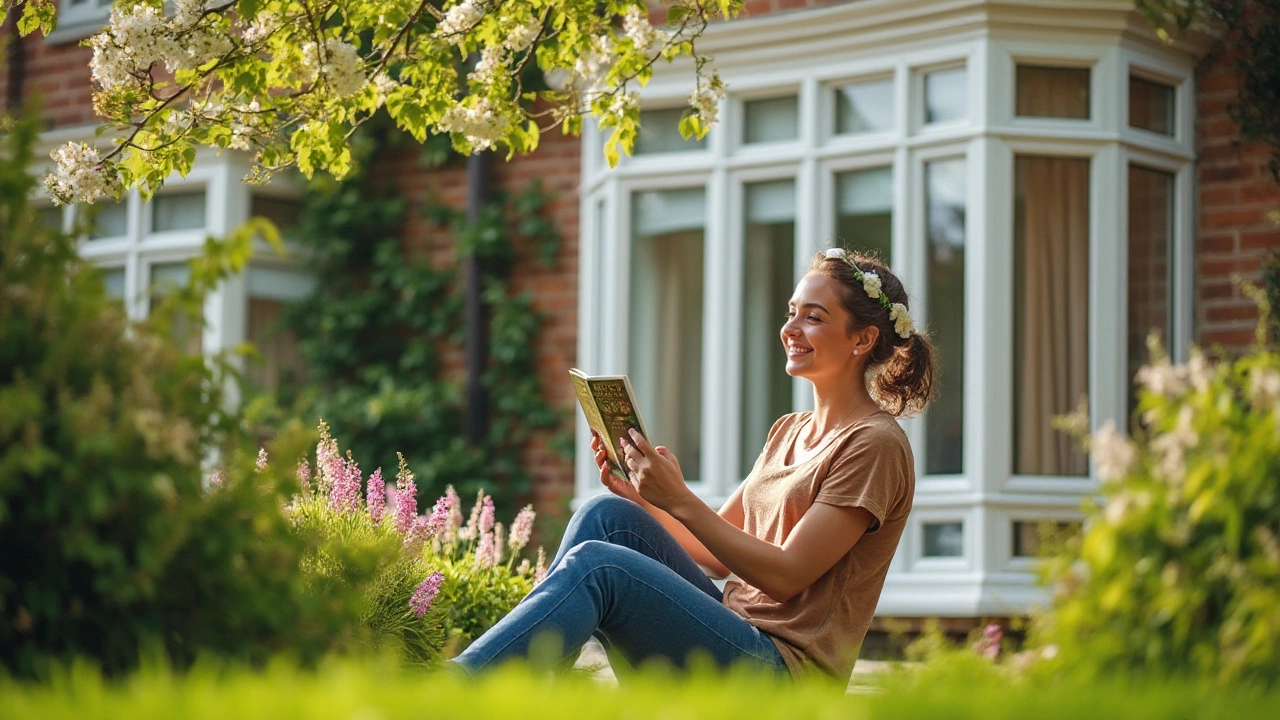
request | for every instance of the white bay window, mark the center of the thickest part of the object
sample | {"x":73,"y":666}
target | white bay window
{"x":1025,"y":171}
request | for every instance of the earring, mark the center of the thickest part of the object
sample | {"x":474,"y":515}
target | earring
{"x":855,"y":352}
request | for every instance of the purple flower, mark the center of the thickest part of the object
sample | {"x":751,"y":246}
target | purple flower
{"x":486,"y":515}
{"x":215,"y":479}
{"x":540,"y":568}
{"x":406,"y":499}
{"x":988,"y":645}
{"x":453,"y":515}
{"x":471,"y":532}
{"x":344,"y":493}
{"x":439,"y":515}
{"x":425,"y":593}
{"x":420,"y":531}
{"x":262,"y":459}
{"x":304,"y":475}
{"x":484,"y":551}
{"x":522,"y":529}
{"x":377,"y":497}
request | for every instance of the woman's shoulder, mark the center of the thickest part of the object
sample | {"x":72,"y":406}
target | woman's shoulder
{"x":879,"y":430}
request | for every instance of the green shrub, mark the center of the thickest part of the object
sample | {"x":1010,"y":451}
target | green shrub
{"x":111,"y":544}
{"x":1178,"y":569}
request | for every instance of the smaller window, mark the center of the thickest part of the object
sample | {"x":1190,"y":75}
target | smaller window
{"x":946,"y":95}
{"x":771,"y":120}
{"x":107,"y":220}
{"x":178,"y":211}
{"x":284,"y":213}
{"x":1053,"y":92}
{"x":944,"y":539}
{"x":1151,"y":106}
{"x":165,"y":280}
{"x":660,"y":133}
{"x":1032,"y":538}
{"x":113,"y":281}
{"x":864,"y":107}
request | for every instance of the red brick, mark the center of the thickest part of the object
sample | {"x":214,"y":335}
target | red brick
{"x":1230,"y":313}
{"x":1261,"y":240}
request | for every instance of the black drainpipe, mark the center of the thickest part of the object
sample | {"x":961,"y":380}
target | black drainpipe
{"x":17,"y":67}
{"x":476,"y":346}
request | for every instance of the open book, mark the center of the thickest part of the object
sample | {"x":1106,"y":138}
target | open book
{"x":610,"y":407}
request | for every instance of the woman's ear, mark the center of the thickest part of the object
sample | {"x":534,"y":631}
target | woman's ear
{"x":865,"y":340}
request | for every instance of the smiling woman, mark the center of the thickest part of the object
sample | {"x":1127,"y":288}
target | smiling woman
{"x":807,"y":538}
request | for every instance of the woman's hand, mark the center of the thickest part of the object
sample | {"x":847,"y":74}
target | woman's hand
{"x":615,"y":485}
{"x":655,"y":472}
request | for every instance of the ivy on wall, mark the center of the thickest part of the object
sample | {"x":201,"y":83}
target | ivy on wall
{"x":374,"y":331}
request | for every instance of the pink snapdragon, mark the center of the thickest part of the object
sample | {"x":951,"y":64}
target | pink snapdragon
{"x":425,"y":593}
{"x":344,"y":493}
{"x":419,"y":533}
{"x":486,"y":515}
{"x":522,"y":529}
{"x":484,"y":551}
{"x":406,"y":499}
{"x":376,"y":497}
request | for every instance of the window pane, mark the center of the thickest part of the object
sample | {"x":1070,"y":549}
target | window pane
{"x":945,"y":95}
{"x":864,"y":211}
{"x":864,"y":107}
{"x":283,"y":212}
{"x":165,"y":279}
{"x":281,"y":363}
{"x":177,"y":211}
{"x":945,"y":220}
{"x":1150,"y":106}
{"x":942,"y":540}
{"x":1053,"y":92}
{"x":660,"y":133}
{"x":768,"y":279}
{"x":107,"y":220}
{"x":665,"y":341}
{"x":1050,"y":310}
{"x":113,"y":281}
{"x":1150,"y":265}
{"x":771,"y":120}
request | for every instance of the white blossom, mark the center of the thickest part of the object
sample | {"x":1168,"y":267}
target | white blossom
{"x":489,"y":68}
{"x":135,"y":39}
{"x":624,"y":102}
{"x":480,"y":125}
{"x":198,"y":47}
{"x":1264,"y":388}
{"x":458,"y":20}
{"x":80,"y":175}
{"x":337,"y":62}
{"x":1112,"y":452}
{"x":521,"y":36}
{"x":902,"y":323}
{"x":188,"y":12}
{"x":1172,"y":446}
{"x":636,"y":27}
{"x":706,"y":98}
{"x":835,"y":254}
{"x":1162,"y":378}
{"x":871,"y":284}
{"x":592,"y":66}
{"x":261,"y":28}
{"x":385,"y":85}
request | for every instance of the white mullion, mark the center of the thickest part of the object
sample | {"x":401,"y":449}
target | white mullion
{"x":720,"y":265}
{"x":977,"y":231}
{"x":589,"y":336}
{"x":990,"y":281}
{"x":1108,"y":263}
{"x":731,"y":357}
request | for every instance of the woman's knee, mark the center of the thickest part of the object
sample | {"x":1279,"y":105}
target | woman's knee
{"x":606,"y":506}
{"x":591,"y":554}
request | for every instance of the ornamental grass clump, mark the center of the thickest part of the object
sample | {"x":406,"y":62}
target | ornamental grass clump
{"x":429,"y":585}
{"x":1178,"y":569}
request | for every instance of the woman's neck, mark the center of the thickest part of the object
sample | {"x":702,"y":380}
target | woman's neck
{"x":836,"y":408}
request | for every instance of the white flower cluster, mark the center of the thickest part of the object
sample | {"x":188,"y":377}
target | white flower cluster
{"x":1264,"y":388}
{"x":520,"y":37}
{"x":458,"y":20}
{"x":1112,"y":453}
{"x":491,"y":66}
{"x":480,"y":125}
{"x":646,"y":38}
{"x":80,"y":175}
{"x":337,"y":62}
{"x":1172,"y":447}
{"x":706,"y":98}
{"x":188,"y":12}
{"x":385,"y":85}
{"x":871,"y":284}
{"x":141,"y":36}
{"x":1168,"y":380}
{"x":261,"y":28}
{"x":624,"y":102}
{"x":592,"y":66}
{"x":901,"y":319}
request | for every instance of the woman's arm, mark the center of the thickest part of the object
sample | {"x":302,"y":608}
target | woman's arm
{"x":823,"y":535}
{"x":731,"y":512}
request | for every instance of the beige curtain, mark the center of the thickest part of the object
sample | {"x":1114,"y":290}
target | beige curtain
{"x":281,"y":361}
{"x":1150,"y":226}
{"x":1053,"y":92}
{"x":1051,"y":311}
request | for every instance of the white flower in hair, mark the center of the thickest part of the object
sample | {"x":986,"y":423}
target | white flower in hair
{"x":871,"y":283}
{"x":901,"y":320}
{"x":835,"y":254}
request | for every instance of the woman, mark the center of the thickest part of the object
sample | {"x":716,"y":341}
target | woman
{"x":807,"y":537}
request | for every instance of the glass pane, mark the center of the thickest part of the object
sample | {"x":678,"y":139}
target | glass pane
{"x":945,"y":220}
{"x":113,"y":281}
{"x":1053,"y":92}
{"x":177,"y":211}
{"x":771,"y":120}
{"x":943,"y":540}
{"x":284,"y":212}
{"x":281,"y":363}
{"x":767,"y":282}
{"x":665,"y":340}
{"x":165,"y":279}
{"x":660,"y":133}
{"x":945,"y":95}
{"x":1150,"y":106}
{"x":1150,"y":265}
{"x":1050,"y":310}
{"x":864,"y":211}
{"x":864,"y":107}
{"x":108,"y":220}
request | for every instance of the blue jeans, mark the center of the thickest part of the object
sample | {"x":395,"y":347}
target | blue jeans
{"x":620,"y":576}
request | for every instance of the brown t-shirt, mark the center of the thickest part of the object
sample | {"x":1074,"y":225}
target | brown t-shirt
{"x":867,"y":465}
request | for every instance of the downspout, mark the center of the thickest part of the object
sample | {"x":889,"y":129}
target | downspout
{"x":475,"y":315}
{"x":17,"y":67}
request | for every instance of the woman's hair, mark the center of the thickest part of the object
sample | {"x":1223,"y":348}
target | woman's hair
{"x":901,"y":371}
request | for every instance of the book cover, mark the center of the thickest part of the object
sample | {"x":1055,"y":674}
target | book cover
{"x":610,"y":408}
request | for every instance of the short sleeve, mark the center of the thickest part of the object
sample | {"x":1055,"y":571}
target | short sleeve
{"x":869,"y":470}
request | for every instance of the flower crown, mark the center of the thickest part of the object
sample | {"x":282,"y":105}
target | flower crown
{"x":871,"y":284}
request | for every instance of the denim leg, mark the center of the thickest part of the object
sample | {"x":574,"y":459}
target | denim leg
{"x":642,"y":607}
{"x":619,"y":521}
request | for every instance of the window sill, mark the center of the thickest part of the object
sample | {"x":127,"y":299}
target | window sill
{"x":73,"y":31}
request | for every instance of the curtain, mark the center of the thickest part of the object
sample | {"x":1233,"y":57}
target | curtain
{"x":1051,"y":310}
{"x":1150,"y":267}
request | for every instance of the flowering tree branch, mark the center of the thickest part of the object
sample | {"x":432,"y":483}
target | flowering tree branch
{"x":289,"y":80}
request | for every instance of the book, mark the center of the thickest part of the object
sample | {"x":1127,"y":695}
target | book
{"x":610,"y":407}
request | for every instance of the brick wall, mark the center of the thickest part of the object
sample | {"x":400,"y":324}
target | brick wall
{"x":1235,"y":193}
{"x":58,"y":75}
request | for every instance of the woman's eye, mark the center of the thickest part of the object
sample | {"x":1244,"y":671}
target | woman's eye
{"x":789,"y":314}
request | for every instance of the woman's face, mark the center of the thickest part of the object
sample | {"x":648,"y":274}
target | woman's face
{"x":815,"y":335}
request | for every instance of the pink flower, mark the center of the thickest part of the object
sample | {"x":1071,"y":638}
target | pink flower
{"x":498,"y":539}
{"x":419,"y":533}
{"x":486,"y":515}
{"x":988,"y":645}
{"x":344,"y":493}
{"x":304,"y":475}
{"x":216,"y":479}
{"x":540,"y":568}
{"x":522,"y":529}
{"x":376,"y":497}
{"x":470,"y":532}
{"x":425,"y":593}
{"x":484,"y":551}
{"x":453,"y":517}
{"x":262,"y":459}
{"x":406,"y":499}
{"x":439,"y":515}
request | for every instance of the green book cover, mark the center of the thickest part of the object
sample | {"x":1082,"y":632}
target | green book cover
{"x":610,"y":408}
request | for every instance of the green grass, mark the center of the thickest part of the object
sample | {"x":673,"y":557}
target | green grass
{"x":371,"y":690}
